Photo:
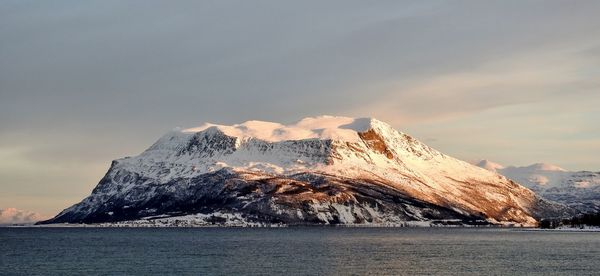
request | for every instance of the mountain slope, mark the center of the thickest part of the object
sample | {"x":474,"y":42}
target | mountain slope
{"x":580,"y":190}
{"x":321,"y":170}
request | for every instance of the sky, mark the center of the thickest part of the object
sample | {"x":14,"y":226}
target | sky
{"x":86,"y":82}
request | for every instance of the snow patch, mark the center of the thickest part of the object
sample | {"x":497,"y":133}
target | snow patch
{"x":321,"y":127}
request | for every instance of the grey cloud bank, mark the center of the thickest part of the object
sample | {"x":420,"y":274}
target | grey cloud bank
{"x":82,"y":83}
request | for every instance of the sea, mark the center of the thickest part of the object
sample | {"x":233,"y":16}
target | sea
{"x":297,"y":251}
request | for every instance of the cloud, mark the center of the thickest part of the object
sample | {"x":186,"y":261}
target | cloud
{"x":547,"y":76}
{"x":16,"y":216}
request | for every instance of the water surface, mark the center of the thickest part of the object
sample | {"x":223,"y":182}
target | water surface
{"x":296,"y":251}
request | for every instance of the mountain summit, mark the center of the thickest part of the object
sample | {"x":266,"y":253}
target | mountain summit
{"x":320,"y":170}
{"x":579,"y":190}
{"x":489,"y":165}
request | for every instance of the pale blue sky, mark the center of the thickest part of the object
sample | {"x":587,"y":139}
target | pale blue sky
{"x":86,"y":82}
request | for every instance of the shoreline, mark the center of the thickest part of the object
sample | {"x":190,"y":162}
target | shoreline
{"x":68,"y":225}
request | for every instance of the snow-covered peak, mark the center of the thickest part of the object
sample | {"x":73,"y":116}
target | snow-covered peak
{"x":321,"y":127}
{"x":545,"y":167}
{"x":580,"y":190}
{"x":328,"y":144}
{"x":537,"y":167}
{"x":489,"y":165}
{"x":317,"y":161}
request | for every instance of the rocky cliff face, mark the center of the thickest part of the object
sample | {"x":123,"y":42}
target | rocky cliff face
{"x":323,"y":170}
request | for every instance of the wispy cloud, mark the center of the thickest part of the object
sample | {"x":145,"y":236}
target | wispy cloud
{"x":540,"y":77}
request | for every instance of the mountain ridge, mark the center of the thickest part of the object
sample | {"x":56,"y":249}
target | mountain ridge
{"x":320,"y":170}
{"x":577,"y":189}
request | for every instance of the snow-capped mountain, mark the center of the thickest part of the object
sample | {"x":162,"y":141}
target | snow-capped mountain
{"x":320,"y":170}
{"x":10,"y":216}
{"x":580,"y":190}
{"x":490,"y":166}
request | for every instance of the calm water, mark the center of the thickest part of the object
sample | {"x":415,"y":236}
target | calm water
{"x":292,"y":251}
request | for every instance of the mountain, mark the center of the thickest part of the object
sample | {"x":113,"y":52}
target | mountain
{"x":320,"y":170}
{"x":580,"y":190}
{"x":490,"y":166}
{"x":10,"y":216}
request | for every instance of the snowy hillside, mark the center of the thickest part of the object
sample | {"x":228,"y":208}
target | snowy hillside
{"x":320,"y":170}
{"x":580,"y":190}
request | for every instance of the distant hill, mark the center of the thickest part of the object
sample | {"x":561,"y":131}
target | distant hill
{"x":580,"y":190}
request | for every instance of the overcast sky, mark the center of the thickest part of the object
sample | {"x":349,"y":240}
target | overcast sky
{"x":86,"y":82}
